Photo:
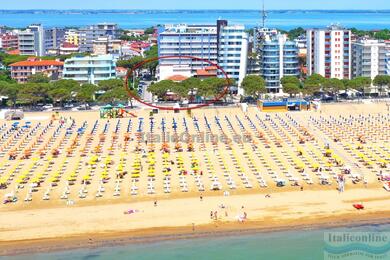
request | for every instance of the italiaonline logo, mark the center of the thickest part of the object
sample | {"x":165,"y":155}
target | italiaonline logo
{"x":357,"y":245}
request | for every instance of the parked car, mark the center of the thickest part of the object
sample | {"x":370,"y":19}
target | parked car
{"x":249,"y":100}
{"x":48,"y":106}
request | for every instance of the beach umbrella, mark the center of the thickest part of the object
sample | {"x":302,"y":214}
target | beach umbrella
{"x":52,"y":179}
{"x":316,"y":165}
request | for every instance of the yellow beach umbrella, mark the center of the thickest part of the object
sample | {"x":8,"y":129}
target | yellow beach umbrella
{"x":315,"y":165}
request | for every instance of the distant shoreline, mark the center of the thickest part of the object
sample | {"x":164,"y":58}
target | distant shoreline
{"x":138,"y":18}
{"x":61,"y":11}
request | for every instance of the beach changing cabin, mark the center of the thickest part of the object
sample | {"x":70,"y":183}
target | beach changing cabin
{"x":283,"y":105}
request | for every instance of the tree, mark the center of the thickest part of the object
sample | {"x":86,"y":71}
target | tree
{"x":361,"y":84}
{"x":253,"y":85}
{"x":205,"y":89}
{"x":313,"y":83}
{"x":110,"y":84}
{"x":346,"y":83}
{"x":114,"y":94}
{"x":291,"y":85}
{"x":38,"y":78}
{"x":152,"y":52}
{"x":161,"y":88}
{"x":33,"y":93}
{"x":125,"y":37}
{"x":295,"y":33}
{"x":382,"y":81}
{"x":86,"y":93}
{"x":213,"y":87}
{"x":180,"y":90}
{"x":333,"y":86}
{"x":61,"y":90}
{"x":131,"y":63}
{"x":8,"y":59}
{"x":149,"y":30}
{"x":60,"y":95}
{"x":69,"y":84}
{"x":5,"y":75}
{"x":191,"y":85}
{"x":151,"y":65}
{"x":291,"y":89}
{"x":382,"y":35}
{"x":10,"y":90}
{"x":131,"y":90}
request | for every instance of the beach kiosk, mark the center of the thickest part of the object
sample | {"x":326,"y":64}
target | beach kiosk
{"x":283,"y":105}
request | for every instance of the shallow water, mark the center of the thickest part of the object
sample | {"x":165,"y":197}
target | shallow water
{"x":295,"y":244}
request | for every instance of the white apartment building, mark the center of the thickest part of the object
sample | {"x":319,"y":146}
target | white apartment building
{"x":32,"y":41}
{"x":199,"y":41}
{"x":233,"y":51}
{"x":329,"y":52}
{"x":368,"y":58}
{"x":278,"y":57}
{"x":219,"y":43}
{"x":90,"y":69}
{"x":387,"y":61}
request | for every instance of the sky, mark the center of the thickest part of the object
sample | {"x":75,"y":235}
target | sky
{"x":197,"y":4}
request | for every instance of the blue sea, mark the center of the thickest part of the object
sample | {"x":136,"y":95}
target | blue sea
{"x":290,"y":245}
{"x":143,"y":19}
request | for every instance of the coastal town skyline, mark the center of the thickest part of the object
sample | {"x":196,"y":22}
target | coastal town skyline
{"x":201,"y":4}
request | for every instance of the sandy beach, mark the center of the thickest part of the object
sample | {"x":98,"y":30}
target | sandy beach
{"x":231,"y":179}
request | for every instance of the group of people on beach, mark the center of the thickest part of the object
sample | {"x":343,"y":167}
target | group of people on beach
{"x":241,"y":217}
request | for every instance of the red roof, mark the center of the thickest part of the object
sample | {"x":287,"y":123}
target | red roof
{"x":177,"y":78}
{"x":34,"y":63}
{"x":140,"y":45}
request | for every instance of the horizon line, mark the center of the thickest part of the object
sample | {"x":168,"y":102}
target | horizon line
{"x":193,"y":9}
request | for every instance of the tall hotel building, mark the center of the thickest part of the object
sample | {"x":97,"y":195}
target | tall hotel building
{"x":278,"y":57}
{"x":329,"y":52}
{"x":32,"y":41}
{"x":220,"y":43}
{"x":369,"y":58}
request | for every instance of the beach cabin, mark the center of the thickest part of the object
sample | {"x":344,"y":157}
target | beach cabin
{"x":11,"y":114}
{"x":284,"y":105}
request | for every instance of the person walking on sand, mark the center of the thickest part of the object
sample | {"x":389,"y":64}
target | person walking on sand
{"x":211,"y":215}
{"x":201,"y":197}
{"x":155,"y":203}
{"x":215,"y":215}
